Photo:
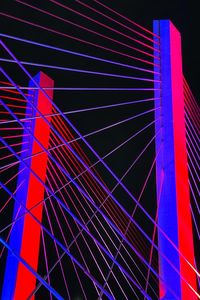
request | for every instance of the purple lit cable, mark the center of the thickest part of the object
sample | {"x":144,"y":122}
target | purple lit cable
{"x":10,"y":231}
{"x":186,"y":86}
{"x":75,"y":38}
{"x":127,"y":19}
{"x":192,"y":113}
{"x":193,"y":179}
{"x":84,"y":110}
{"x":13,"y":177}
{"x":195,"y":223}
{"x":123,"y":25}
{"x":191,"y":161}
{"x":95,"y":32}
{"x":76,"y":139}
{"x":83,"y":89}
{"x":77,"y":54}
{"x":14,"y":145}
{"x":154,"y":232}
{"x":192,"y":138}
{"x":78,"y":70}
{"x":194,"y":197}
{"x":46,"y":261}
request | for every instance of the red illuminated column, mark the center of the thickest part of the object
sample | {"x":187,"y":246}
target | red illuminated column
{"x":174,"y":216}
{"x":19,"y":282}
{"x":31,"y":231}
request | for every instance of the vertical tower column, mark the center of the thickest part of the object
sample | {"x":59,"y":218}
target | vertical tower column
{"x":174,"y":216}
{"x":19,"y":282}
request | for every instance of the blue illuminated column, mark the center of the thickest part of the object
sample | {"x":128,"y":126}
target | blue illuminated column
{"x":174,"y":217}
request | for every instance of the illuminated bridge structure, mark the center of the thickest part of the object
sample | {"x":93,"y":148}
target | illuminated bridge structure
{"x":99,"y":159}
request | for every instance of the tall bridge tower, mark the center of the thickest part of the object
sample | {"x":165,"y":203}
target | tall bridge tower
{"x":174,"y":216}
